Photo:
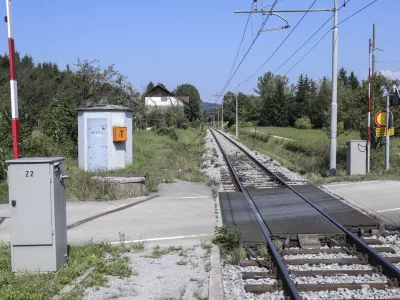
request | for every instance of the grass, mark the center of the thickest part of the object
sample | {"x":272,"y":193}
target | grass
{"x":304,"y":134}
{"x":164,"y":155}
{"x":309,"y":155}
{"x":182,"y":262}
{"x":46,"y":285}
{"x":158,"y":252}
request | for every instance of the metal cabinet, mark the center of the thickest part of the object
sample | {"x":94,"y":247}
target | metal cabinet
{"x":356,"y":157}
{"x":38,"y":214}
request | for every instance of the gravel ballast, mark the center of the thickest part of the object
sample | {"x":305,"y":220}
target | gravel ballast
{"x":179,"y":274}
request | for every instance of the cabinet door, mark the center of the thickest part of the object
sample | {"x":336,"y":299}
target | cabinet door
{"x":30,"y":204}
{"x":97,"y":138}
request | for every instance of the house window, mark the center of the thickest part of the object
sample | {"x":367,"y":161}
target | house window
{"x":164,"y":99}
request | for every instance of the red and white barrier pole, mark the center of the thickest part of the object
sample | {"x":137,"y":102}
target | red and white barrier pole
{"x":16,"y":139}
{"x":369,"y":109}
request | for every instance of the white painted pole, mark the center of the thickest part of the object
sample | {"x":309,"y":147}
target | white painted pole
{"x":387,"y":153}
{"x":332,"y":168}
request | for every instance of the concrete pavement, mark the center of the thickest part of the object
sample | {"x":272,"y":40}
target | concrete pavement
{"x":379,"y":198}
{"x":183,"y":214}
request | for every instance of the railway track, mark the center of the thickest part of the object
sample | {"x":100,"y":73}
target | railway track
{"x":353,"y":263}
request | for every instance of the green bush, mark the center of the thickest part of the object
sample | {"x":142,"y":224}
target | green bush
{"x":38,"y":145}
{"x":303,"y":123}
{"x":167,"y":131}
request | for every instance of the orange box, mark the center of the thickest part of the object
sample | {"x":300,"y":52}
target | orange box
{"x":120,"y":134}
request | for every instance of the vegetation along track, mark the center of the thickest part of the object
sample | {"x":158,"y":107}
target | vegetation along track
{"x":356,"y":263}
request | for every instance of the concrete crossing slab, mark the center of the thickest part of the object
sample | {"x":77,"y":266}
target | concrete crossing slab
{"x":378,"y":198}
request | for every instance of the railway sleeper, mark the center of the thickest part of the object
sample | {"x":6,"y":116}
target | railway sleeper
{"x":264,"y":288}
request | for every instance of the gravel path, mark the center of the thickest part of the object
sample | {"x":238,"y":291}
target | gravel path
{"x":179,"y":274}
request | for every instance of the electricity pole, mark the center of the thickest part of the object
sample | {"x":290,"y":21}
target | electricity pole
{"x":332,"y":168}
{"x":333,"y":143}
{"x":237,"y":117}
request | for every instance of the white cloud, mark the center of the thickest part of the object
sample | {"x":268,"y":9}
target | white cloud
{"x":391,"y":74}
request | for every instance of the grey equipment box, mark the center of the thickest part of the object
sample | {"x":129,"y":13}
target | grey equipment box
{"x":356,"y":157}
{"x":38,"y":214}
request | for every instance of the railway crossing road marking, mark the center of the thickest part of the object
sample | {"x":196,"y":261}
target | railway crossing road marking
{"x":163,"y":238}
{"x":385,"y":210}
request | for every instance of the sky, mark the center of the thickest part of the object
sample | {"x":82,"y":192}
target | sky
{"x":177,"y":41}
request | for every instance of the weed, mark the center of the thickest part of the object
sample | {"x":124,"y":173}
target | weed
{"x":194,"y":279}
{"x":158,"y":252}
{"x":175,"y":248}
{"x":207,"y":247}
{"x":208,"y":267}
{"x":183,"y":254}
{"x":137,"y":246}
{"x":182,"y":291}
{"x":198,"y":296}
{"x":227,"y":239}
{"x":262,"y":251}
{"x":182,"y":262}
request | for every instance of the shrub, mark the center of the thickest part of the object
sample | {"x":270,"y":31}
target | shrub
{"x":38,"y":145}
{"x":170,"y":132}
{"x":303,"y":123}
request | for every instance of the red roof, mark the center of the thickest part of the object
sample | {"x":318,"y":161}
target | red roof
{"x":184,"y":99}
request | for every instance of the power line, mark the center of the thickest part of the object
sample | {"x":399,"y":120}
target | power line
{"x":319,"y":41}
{"x":251,"y":46}
{"x":360,"y":10}
{"x":277,"y":49}
{"x":240,"y":45}
{"x":314,"y":34}
{"x":388,"y":61}
{"x":308,"y":52}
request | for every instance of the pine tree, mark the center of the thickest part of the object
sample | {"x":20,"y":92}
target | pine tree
{"x":353,"y":81}
{"x":342,"y":77}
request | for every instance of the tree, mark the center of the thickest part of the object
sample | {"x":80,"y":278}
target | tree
{"x":192,"y":111}
{"x":353,"y":81}
{"x":274,"y":93}
{"x":301,"y":96}
{"x":342,"y":76}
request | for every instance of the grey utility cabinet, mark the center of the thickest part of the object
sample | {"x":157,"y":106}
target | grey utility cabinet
{"x":38,"y":214}
{"x":356,"y":157}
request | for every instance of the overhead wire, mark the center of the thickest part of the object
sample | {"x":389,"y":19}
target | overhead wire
{"x":240,"y":45}
{"x":250,"y":47}
{"x":277,"y":49}
{"x":320,"y":40}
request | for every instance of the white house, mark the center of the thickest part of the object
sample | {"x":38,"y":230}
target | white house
{"x":161,"y":97}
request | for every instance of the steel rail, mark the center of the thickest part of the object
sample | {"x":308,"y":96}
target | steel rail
{"x":287,"y":281}
{"x":387,"y":267}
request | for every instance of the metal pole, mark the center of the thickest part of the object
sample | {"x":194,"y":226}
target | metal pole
{"x":222,"y":116}
{"x":237,"y":117}
{"x":15,"y":125}
{"x":218,"y":117}
{"x":332,"y":169}
{"x":373,"y":49}
{"x":387,"y":164}
{"x":369,"y":111}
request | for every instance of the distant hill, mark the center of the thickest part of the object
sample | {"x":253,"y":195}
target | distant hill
{"x":207,"y":106}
